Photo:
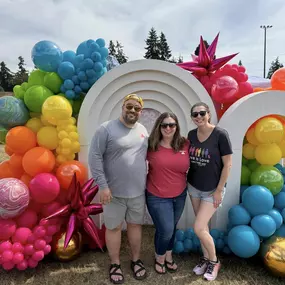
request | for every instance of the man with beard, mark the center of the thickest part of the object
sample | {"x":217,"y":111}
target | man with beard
{"x":117,"y":160}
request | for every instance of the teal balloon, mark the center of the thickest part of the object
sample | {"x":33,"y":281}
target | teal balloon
{"x":269,"y":177}
{"x":245,"y":175}
{"x":13,"y":112}
{"x":238,"y":215}
{"x":264,"y":225}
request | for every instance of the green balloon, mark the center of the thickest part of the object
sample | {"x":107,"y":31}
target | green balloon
{"x":77,"y":105}
{"x":19,"y":92}
{"x":25,"y":86}
{"x":3,"y":133}
{"x":244,"y":161}
{"x":53,"y":82}
{"x":253,"y":164}
{"x":35,"y":96}
{"x":36,"y":78}
{"x":269,"y":177}
{"x":245,"y":175}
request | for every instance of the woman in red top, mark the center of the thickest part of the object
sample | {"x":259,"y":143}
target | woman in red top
{"x":168,"y":159}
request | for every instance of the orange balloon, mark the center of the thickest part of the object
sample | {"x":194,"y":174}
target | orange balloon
{"x":258,"y":89}
{"x":26,"y":179}
{"x":21,"y":139}
{"x":6,"y":170}
{"x":66,"y":170}
{"x":278,"y":79}
{"x":16,"y":160}
{"x":38,"y":160}
{"x":8,"y":150}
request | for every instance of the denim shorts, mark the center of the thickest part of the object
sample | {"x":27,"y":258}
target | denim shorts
{"x":203,"y":195}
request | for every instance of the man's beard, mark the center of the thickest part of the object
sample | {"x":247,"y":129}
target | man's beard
{"x":129,"y":120}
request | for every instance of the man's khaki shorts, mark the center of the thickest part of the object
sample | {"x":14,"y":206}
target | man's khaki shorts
{"x":131,"y":210}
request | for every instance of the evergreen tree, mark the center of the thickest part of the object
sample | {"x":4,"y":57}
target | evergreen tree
{"x":120,"y":55}
{"x":275,"y":65}
{"x":112,"y":48}
{"x":164,"y":49}
{"x":176,"y":60}
{"x":22,"y":74}
{"x":6,"y":77}
{"x":152,"y":45}
{"x":180,"y":59}
{"x":240,"y":63}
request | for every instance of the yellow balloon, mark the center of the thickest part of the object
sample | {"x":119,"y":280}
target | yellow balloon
{"x":71,"y":128}
{"x":251,"y":138}
{"x":62,"y":135}
{"x":268,"y":154}
{"x":35,"y":115}
{"x":269,"y":130}
{"x":74,"y":136}
{"x":47,"y":137}
{"x":56,"y":108}
{"x":65,"y":151}
{"x":72,"y":121}
{"x":70,"y":157}
{"x":34,"y":124}
{"x":248,"y":151}
{"x":45,"y":121}
{"x":282,"y":147}
{"x":66,"y":143}
{"x":60,"y":159}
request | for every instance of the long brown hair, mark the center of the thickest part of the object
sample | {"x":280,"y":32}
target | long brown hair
{"x":155,"y":137}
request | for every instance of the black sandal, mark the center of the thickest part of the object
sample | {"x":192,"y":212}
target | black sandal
{"x":135,"y":273}
{"x":162,"y":266}
{"x":167,"y":264}
{"x":115,"y":273}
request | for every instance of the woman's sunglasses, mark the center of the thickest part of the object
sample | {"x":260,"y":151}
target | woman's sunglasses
{"x":136,"y":108}
{"x":170,"y":125}
{"x":201,"y":113}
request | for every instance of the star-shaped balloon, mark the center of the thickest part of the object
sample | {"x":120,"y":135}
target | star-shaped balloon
{"x":78,"y":210}
{"x":206,"y":62}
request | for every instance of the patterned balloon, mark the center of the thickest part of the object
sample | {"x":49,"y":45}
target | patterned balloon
{"x":14,"y":197}
{"x":13,"y":112}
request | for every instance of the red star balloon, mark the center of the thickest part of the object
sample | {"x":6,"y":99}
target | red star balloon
{"x":205,"y":62}
{"x":78,"y":210}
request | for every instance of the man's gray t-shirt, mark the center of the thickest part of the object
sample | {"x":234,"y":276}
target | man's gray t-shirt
{"x":117,"y":158}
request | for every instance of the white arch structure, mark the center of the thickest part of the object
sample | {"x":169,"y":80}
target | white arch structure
{"x":166,"y":87}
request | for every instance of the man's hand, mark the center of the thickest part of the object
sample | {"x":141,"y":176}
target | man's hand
{"x":105,"y":196}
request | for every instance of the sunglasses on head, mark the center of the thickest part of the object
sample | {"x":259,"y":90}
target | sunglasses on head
{"x":136,"y":108}
{"x":201,"y":113}
{"x":170,"y":125}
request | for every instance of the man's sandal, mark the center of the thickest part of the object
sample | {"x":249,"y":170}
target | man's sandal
{"x":168,"y":264}
{"x":114,"y":272}
{"x":161,"y":265}
{"x":135,"y":273}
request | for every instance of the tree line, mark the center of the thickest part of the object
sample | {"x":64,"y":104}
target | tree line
{"x":156,"y":47}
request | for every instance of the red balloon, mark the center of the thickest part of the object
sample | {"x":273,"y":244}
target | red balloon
{"x":245,"y":88}
{"x":224,"y":90}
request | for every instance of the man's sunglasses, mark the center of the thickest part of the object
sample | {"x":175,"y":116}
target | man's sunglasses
{"x":136,"y":108}
{"x":201,"y":113}
{"x":170,"y":125}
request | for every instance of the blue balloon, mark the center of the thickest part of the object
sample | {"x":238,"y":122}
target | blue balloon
{"x":188,"y":244}
{"x":82,"y":76}
{"x":242,"y":189}
{"x":277,"y":217}
{"x":257,"y":200}
{"x":226,"y":250}
{"x":226,"y":239}
{"x":179,"y":235}
{"x":70,"y":94}
{"x":196,"y":241}
{"x":88,"y":63}
{"x":243,"y":241}
{"x":178,"y":247}
{"x":283,"y":189}
{"x":94,"y":47}
{"x":77,"y":89}
{"x":68,"y":84}
{"x":105,"y":62}
{"x":279,"y":167}
{"x":62,"y":89}
{"x":75,"y":79}
{"x":78,"y":60}
{"x":189,"y":233}
{"x":279,"y":200}
{"x":281,"y":231}
{"x":215,"y":233}
{"x":96,"y":56}
{"x":238,"y":215}
{"x":264,"y":225}
{"x":104,"y":52}
{"x":220,"y":244}
{"x":91,"y":81}
{"x":98,"y":67}
{"x":69,"y":55}
{"x":83,"y":49}
{"x":100,"y":42}
{"x":84,"y":85}
{"x":89,"y":43}
{"x":66,"y":70}
{"x":90,"y":73}
{"x":46,"y":56}
{"x":283,"y":214}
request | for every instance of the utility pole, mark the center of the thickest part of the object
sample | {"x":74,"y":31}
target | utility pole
{"x":265,"y":34}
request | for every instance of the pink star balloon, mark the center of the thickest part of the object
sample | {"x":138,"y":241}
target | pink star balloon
{"x":205,"y":62}
{"x":78,"y":210}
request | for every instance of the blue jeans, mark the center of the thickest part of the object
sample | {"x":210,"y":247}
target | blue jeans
{"x":165,"y":214}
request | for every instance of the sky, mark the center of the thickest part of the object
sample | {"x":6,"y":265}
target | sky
{"x":70,"y":22}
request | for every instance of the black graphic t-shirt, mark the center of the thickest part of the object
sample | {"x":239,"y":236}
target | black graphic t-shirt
{"x":206,"y":158}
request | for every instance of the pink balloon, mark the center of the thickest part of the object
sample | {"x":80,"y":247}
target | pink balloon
{"x":224,"y":90}
{"x":6,"y":245}
{"x":28,"y":219}
{"x":29,"y":249}
{"x":21,"y":235}
{"x":17,"y":247}
{"x":47,"y":249}
{"x":8,"y":265}
{"x":38,"y":255}
{"x":50,"y":208}
{"x":40,"y":244}
{"x":51,"y":230}
{"x":39,"y":231}
{"x":18,"y":257}
{"x":14,"y":197}
{"x":48,"y":239}
{"x":32,"y":263}
{"x":22,"y":265}
{"x":44,"y":188}
{"x":245,"y":88}
{"x":7,"y":255}
{"x":241,"y":69}
{"x":31,"y":239}
{"x":35,"y":206}
{"x":7,"y":229}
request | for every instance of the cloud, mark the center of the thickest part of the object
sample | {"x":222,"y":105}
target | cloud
{"x":69,"y":22}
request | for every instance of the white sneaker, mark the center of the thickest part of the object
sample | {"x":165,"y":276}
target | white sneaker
{"x":201,"y":267}
{"x":212,"y":270}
